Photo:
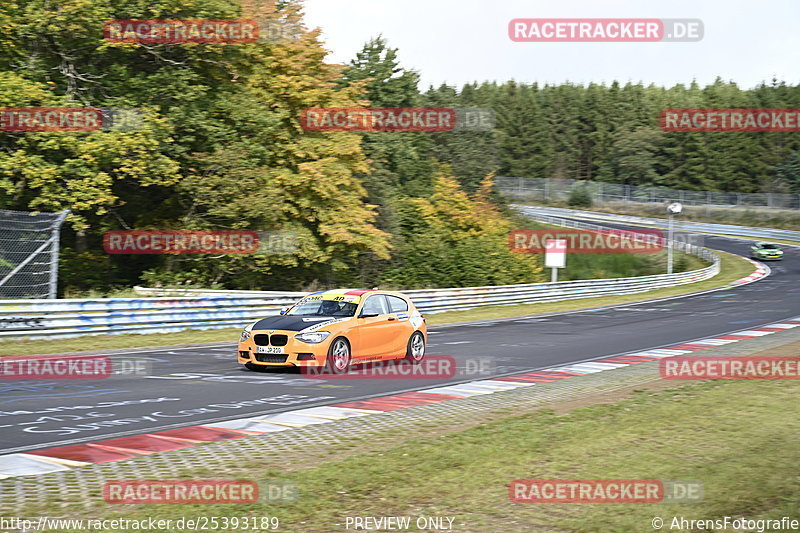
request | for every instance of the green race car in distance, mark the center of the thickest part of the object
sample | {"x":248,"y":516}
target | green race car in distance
{"x":766,"y":251}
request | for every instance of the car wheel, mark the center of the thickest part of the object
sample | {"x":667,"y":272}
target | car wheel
{"x":415,"y":351}
{"x":338,"y":359}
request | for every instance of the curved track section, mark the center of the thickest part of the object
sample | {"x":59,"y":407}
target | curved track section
{"x":202,"y":385}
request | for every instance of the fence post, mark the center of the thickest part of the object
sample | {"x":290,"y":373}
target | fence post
{"x":32,"y":252}
{"x":519,"y":186}
{"x":52,"y":291}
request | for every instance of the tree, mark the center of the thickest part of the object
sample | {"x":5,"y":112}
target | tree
{"x":454,"y":239}
{"x":471,"y":154}
{"x":221,"y":146}
{"x":524,"y":143}
{"x":789,"y":171}
{"x":634,"y":156}
{"x":387,"y":83}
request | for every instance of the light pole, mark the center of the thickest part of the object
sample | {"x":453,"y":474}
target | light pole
{"x":672,"y":209}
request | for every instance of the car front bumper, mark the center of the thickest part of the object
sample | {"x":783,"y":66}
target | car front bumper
{"x":295,"y":353}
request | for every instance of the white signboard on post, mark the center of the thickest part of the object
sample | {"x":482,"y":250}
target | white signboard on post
{"x":555,"y":255}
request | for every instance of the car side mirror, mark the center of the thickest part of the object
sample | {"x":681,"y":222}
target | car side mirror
{"x":283,"y":310}
{"x":367,"y":315}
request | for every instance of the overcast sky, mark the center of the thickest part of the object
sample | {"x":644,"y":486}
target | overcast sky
{"x":459,"y":41}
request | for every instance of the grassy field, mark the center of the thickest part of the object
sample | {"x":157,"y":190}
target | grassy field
{"x":466,"y":474}
{"x":613,"y":265}
{"x":739,"y":439}
{"x":733,"y":268}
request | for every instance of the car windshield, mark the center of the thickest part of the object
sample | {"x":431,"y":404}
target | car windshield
{"x":323,"y":308}
{"x":770,"y":247}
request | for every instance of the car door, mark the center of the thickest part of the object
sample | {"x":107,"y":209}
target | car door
{"x":403,"y":328}
{"x":374,"y":329}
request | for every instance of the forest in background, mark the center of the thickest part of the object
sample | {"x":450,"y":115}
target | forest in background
{"x":221,"y":147}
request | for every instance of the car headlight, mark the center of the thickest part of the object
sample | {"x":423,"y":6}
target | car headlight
{"x":314,"y":337}
{"x":245,"y":336}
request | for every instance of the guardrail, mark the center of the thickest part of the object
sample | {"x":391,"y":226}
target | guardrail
{"x":602,"y":192}
{"x":180,"y":311}
{"x":683,"y":225}
{"x":73,"y":317}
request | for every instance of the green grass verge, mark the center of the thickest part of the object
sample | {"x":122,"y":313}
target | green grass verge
{"x":739,"y":439}
{"x":733,"y":268}
{"x":581,"y":266}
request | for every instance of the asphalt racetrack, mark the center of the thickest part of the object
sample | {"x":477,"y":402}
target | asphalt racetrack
{"x":191,"y":386}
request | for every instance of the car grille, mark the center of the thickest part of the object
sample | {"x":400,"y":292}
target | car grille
{"x":279,"y":340}
{"x":270,"y":358}
{"x":262,"y":339}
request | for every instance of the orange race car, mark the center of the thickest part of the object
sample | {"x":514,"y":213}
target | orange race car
{"x":336,"y":328}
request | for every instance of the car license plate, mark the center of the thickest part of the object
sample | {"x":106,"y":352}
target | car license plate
{"x":269,"y":349}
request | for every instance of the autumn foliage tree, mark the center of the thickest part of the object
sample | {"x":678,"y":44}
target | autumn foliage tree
{"x":454,"y":239}
{"x":220,"y":146}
